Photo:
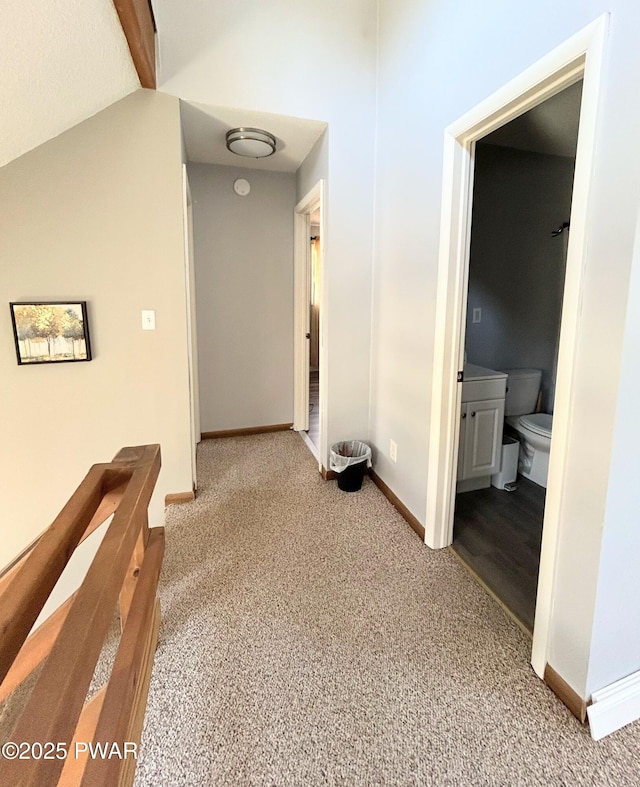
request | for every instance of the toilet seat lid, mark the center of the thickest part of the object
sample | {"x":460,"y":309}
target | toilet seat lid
{"x":538,"y":423}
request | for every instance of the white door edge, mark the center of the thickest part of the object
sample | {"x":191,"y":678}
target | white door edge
{"x":192,"y":342}
{"x":311,"y":201}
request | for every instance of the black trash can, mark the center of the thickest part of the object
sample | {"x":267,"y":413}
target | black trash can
{"x":349,"y":460}
{"x":350,"y":479}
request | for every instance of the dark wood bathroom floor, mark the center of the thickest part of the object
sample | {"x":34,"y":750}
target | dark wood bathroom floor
{"x":498,"y":535}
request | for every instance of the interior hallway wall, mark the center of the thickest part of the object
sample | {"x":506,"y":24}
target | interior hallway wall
{"x":279,"y":49}
{"x":244,"y":295}
{"x":616,"y":620}
{"x":95,"y":214}
{"x":516,"y":271}
{"x":427,"y":83}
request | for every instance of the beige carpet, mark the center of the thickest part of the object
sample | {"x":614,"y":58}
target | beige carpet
{"x":310,"y":638}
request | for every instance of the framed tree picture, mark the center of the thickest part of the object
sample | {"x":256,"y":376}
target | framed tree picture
{"x":51,"y":332}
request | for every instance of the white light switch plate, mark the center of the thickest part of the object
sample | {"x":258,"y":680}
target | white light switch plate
{"x":148,"y":320}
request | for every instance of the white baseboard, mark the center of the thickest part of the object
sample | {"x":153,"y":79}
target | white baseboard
{"x":614,"y":706}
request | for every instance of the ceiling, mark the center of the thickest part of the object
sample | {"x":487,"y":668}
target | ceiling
{"x":205,"y":128}
{"x":84,"y":65}
{"x":551,"y":127}
{"x":61,"y":62}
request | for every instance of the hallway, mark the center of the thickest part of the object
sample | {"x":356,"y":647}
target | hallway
{"x":310,"y":638}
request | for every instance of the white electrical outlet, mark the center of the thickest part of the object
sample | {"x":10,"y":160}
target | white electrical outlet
{"x":148,"y":320}
{"x":477,"y":314}
{"x":393,"y":450}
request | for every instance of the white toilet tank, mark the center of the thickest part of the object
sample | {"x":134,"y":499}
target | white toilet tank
{"x":523,"y":386}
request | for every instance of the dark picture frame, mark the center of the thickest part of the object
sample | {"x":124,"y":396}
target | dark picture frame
{"x":50,"y":332}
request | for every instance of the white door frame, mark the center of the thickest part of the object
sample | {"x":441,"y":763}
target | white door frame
{"x":192,"y":339}
{"x":581,"y":57}
{"x":301,"y":314}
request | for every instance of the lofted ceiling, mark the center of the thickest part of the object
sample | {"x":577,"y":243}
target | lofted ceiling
{"x":61,"y":62}
{"x":551,"y":127}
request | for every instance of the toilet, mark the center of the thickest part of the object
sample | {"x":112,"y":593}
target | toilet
{"x":533,"y":429}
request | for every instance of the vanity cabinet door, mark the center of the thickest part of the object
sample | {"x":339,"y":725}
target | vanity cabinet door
{"x":482,"y":438}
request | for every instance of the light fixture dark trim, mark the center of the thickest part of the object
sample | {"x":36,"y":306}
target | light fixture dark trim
{"x":251,"y":134}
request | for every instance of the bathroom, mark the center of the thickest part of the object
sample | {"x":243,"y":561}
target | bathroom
{"x":522,"y":194}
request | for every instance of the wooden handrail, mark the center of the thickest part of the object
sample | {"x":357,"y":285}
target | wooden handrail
{"x":110,"y":502}
{"x":125,"y":570}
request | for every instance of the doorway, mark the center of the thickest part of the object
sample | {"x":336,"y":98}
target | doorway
{"x":315,"y":263}
{"x":309,"y":323}
{"x":580,"y":57}
{"x":523,"y":184}
{"x":192,"y":340}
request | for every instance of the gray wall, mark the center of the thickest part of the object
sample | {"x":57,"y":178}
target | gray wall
{"x":516,"y":272}
{"x":244,"y":296}
{"x":95,"y":214}
{"x":336,"y":42}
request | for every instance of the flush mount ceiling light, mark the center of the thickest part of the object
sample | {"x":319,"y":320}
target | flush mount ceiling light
{"x":251,"y":142}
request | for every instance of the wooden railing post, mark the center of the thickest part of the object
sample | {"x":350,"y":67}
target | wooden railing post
{"x":125,"y":571}
{"x":133,"y":572}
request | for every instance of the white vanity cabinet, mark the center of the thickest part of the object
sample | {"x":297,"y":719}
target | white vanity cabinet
{"x":481,"y":423}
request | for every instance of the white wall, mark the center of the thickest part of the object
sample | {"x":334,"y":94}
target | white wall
{"x":516,"y":270}
{"x":244,"y":291}
{"x":438,"y":61}
{"x":95,"y":214}
{"x":61,"y":61}
{"x":435,"y":66}
{"x":615,"y":649}
{"x":310,"y":60}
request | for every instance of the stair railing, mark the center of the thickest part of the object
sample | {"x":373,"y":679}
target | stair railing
{"x":60,"y":737}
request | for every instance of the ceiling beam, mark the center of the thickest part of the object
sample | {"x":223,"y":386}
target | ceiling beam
{"x":138,"y":24}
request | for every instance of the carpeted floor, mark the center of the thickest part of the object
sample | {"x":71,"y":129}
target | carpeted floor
{"x":310,"y":638}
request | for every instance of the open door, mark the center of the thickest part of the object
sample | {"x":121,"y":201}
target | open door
{"x":303,"y":326}
{"x":315,"y":272}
